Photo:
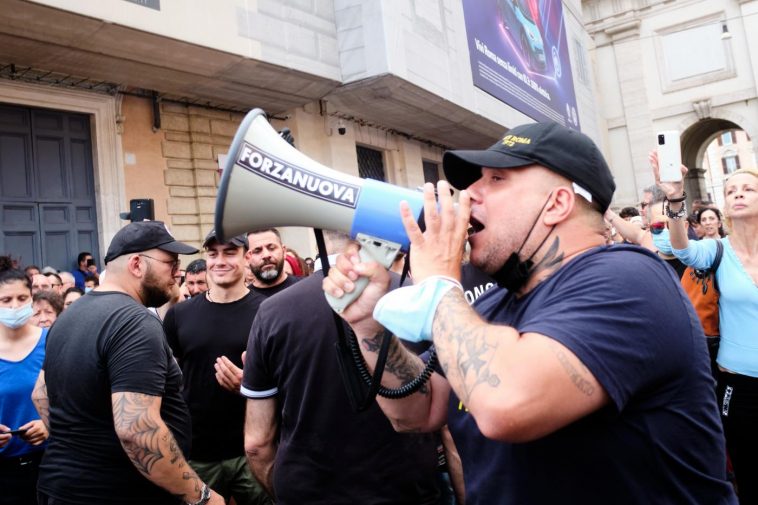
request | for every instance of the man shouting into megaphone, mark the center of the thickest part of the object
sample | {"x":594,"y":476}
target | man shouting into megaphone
{"x":555,"y":390}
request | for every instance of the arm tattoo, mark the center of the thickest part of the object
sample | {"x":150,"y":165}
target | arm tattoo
{"x":464,"y":344}
{"x":151,"y":446}
{"x":41,"y":401}
{"x":131,"y":417}
{"x":400,"y":362}
{"x":575,"y":375}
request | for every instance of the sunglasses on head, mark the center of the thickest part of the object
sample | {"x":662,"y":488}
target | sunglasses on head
{"x":658,"y":227}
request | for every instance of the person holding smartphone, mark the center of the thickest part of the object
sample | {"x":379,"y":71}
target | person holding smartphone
{"x":737,"y":278}
{"x":86,"y":267}
{"x":22,"y":349}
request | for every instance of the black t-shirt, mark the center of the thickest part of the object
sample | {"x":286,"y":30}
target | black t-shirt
{"x":658,"y":441}
{"x":199,"y":331}
{"x":289,"y":281}
{"x":105,"y":343}
{"x":327,"y":453}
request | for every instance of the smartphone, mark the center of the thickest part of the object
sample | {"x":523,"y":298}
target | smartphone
{"x":15,"y":433}
{"x":90,"y":263}
{"x":669,"y":156}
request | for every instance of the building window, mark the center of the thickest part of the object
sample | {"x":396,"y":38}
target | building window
{"x":370,"y":163}
{"x":727,"y":138}
{"x":581,"y":63}
{"x":431,"y":172}
{"x":730,"y":164}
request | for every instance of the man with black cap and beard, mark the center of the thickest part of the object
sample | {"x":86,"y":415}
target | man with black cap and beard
{"x":110,"y":389}
{"x":555,"y":388}
{"x":266,"y":258}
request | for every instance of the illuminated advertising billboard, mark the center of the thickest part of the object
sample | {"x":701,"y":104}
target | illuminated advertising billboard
{"x":520,"y":56}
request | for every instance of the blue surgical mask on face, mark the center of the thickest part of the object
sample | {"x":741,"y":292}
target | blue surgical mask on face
{"x":662,"y":242}
{"x":87,"y":290}
{"x":16,"y":318}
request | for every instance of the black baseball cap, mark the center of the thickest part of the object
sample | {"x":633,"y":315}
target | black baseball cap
{"x":239,"y":240}
{"x":142,"y":236}
{"x":566,"y":152}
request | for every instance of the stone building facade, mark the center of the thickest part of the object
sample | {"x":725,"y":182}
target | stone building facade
{"x":686,"y":65}
{"x":165,"y":83}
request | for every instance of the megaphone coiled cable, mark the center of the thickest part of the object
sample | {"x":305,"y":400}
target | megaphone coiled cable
{"x":392,"y":393}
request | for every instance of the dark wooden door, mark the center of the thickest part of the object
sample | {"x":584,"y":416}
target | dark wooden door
{"x":47,"y":190}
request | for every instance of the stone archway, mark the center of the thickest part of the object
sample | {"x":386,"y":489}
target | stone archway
{"x":694,"y":141}
{"x":697,"y":134}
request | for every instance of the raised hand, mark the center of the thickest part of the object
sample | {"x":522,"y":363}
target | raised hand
{"x":673,"y":190}
{"x":439,"y":249}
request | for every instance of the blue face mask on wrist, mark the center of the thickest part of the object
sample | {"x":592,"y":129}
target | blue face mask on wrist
{"x":662,"y":242}
{"x":16,"y":318}
{"x":408,"y":312}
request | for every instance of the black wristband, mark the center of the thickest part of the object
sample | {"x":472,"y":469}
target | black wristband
{"x":678,"y":200}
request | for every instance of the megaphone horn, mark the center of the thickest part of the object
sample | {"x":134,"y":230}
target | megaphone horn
{"x":268,"y":183}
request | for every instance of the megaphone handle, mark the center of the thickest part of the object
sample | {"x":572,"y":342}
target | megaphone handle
{"x":372,"y":249}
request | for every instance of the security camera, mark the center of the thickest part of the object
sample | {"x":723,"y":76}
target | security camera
{"x":341,"y":128}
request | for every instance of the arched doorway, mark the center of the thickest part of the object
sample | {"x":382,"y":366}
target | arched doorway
{"x":695,"y":143}
{"x":695,"y":140}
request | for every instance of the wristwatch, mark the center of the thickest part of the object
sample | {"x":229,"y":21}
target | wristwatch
{"x":205,"y":496}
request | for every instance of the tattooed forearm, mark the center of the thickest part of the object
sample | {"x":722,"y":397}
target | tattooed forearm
{"x":464,"y":344}
{"x":400,"y":362}
{"x":151,"y":446}
{"x":373,"y":344}
{"x":580,"y":382}
{"x":131,"y":417}
{"x":40,"y":400}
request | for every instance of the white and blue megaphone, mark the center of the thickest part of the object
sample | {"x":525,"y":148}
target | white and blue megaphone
{"x":268,"y":183}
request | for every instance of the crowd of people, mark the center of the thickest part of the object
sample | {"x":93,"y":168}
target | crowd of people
{"x":227,"y":381}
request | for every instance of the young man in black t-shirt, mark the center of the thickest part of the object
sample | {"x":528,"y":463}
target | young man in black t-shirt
{"x":208,"y":335}
{"x":266,"y":258}
{"x":110,"y":389}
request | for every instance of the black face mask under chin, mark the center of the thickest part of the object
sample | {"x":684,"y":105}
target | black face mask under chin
{"x":514,"y":273}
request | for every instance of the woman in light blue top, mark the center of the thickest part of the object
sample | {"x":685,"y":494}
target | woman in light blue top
{"x":737,"y":277}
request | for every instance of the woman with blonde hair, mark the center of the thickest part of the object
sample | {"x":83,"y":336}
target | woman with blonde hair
{"x":737,"y":278}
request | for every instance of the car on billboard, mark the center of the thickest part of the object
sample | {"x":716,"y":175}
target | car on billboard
{"x":518,"y":20}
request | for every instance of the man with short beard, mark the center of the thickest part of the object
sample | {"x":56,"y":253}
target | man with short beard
{"x":208,"y":334}
{"x":110,"y":388}
{"x":266,"y":258}
{"x":195,"y":278}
